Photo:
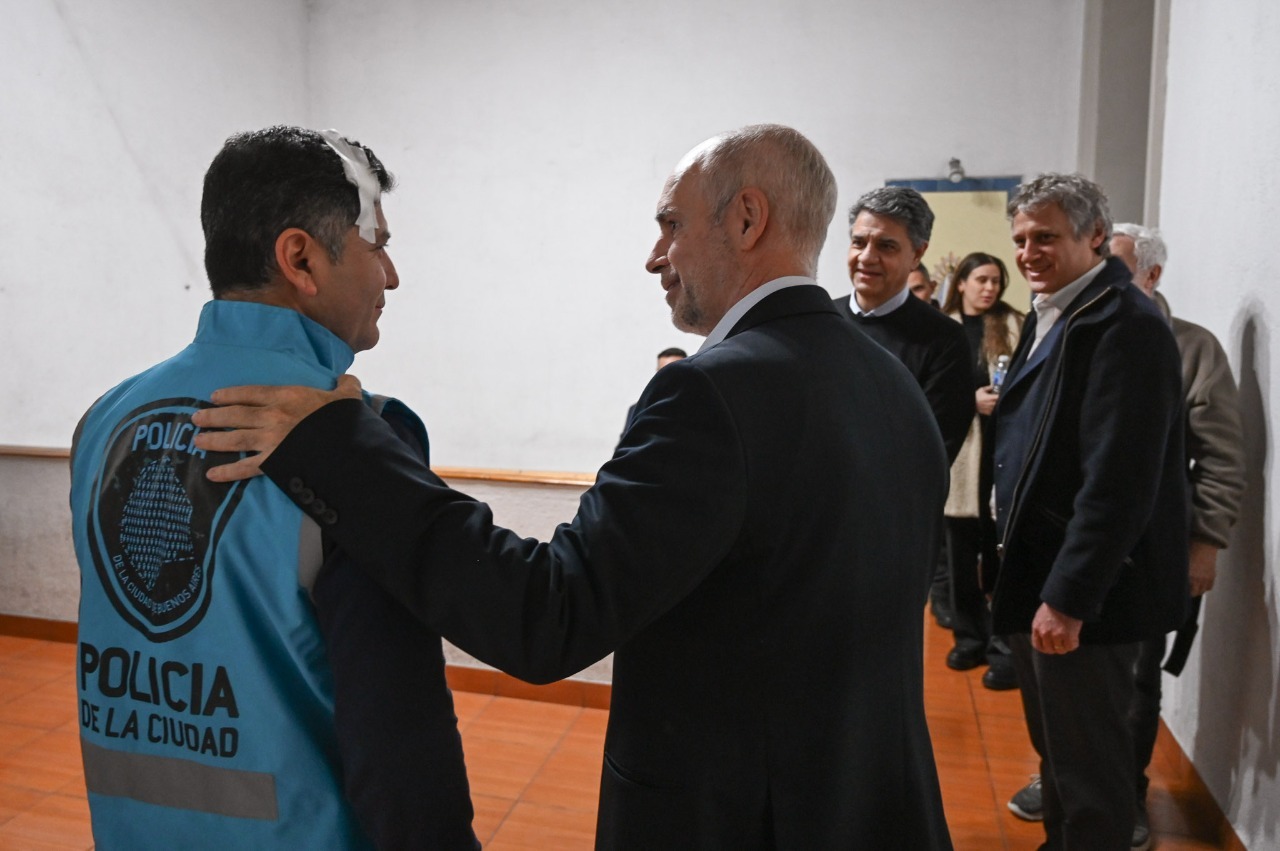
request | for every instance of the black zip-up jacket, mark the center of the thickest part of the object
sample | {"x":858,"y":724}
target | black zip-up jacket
{"x":1092,"y":508}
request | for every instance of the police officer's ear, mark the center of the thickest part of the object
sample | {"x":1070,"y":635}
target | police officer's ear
{"x":299,"y":258}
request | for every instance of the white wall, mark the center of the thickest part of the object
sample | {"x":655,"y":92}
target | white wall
{"x":533,"y":511}
{"x":38,"y":573}
{"x":531,"y":140}
{"x":1119,"y":161}
{"x":1219,"y":206}
{"x":111,"y":113}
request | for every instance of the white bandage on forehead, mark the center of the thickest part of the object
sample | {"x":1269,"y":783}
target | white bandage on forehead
{"x":355,"y":164}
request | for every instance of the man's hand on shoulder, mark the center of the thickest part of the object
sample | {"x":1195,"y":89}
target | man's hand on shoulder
{"x":257,"y":419}
{"x":1054,"y":632}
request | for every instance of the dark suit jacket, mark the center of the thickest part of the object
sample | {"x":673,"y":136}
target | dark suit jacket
{"x":935,"y":351}
{"x":402,"y":765}
{"x":1091,"y":489}
{"x":758,"y":553}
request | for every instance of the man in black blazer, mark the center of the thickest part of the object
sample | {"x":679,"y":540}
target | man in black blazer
{"x":1091,"y":505}
{"x":757,"y":551}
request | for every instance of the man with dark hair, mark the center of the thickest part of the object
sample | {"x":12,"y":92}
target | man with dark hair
{"x":265,"y":673}
{"x":264,"y":183}
{"x":757,"y":551}
{"x":665,"y":357}
{"x":1091,"y":505}
{"x":671,"y":355}
{"x":921,"y":285}
{"x":889,"y":231}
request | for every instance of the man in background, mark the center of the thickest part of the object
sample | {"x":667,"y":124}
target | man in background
{"x":236,"y":671}
{"x":757,"y":551}
{"x":1090,"y":488}
{"x":1215,"y":451}
{"x":1215,"y":470}
{"x":666,"y":356}
{"x":889,"y":231}
{"x":922,"y":286}
{"x":670,"y":356}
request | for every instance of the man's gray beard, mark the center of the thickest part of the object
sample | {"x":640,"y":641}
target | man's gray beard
{"x":687,"y":315}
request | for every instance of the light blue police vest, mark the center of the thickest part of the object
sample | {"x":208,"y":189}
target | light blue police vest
{"x":206,"y":701}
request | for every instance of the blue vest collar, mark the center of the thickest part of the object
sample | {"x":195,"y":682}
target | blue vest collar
{"x":263,"y":326}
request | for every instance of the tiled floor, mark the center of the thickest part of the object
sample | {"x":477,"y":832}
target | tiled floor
{"x":535,"y":767}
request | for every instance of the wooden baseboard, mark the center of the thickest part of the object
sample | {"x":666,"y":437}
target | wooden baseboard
{"x":1185,"y":800}
{"x":460,"y":677}
{"x":487,"y":681}
{"x":45,"y":630}
{"x":475,"y":474}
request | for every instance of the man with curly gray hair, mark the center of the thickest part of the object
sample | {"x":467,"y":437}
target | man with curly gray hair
{"x":1090,"y":484}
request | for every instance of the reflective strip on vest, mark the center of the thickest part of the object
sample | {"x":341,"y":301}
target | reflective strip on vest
{"x":179,"y":783}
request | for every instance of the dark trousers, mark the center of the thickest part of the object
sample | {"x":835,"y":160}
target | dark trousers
{"x":1077,"y":710}
{"x":970,"y":544}
{"x":1144,"y":711}
{"x":940,"y":585}
{"x":972,"y":547}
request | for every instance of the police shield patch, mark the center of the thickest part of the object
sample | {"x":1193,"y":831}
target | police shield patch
{"x":155,"y":519}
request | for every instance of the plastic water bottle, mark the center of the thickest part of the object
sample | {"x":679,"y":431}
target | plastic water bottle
{"x":1002,"y":369}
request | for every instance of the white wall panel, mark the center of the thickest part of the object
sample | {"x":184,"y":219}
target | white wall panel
{"x":1218,"y":210}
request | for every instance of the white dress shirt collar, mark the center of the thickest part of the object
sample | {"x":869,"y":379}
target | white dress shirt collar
{"x":748,"y":301}
{"x":881,"y":310}
{"x":1049,"y":308}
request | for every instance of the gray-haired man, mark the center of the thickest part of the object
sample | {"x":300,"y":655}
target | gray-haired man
{"x":1215,"y":453}
{"x":1091,"y":491}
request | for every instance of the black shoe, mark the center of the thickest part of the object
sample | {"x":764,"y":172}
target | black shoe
{"x":1000,"y":676}
{"x":942,"y":613}
{"x":966,"y":658}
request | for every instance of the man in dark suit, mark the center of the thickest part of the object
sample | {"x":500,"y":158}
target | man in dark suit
{"x":1091,"y":505}
{"x":757,"y":551}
